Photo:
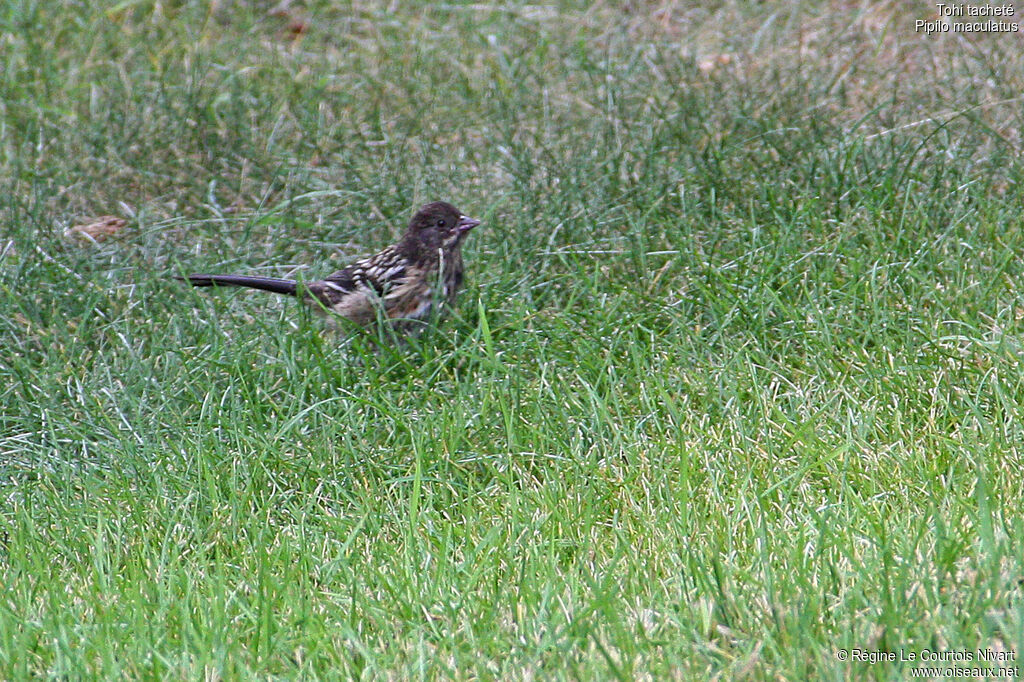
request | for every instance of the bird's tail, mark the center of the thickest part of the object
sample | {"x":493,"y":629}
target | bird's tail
{"x":277,"y":286}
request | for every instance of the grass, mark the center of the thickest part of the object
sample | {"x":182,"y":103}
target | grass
{"x":735,"y":385}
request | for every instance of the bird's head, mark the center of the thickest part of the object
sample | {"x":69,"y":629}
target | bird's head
{"x":439,"y":225}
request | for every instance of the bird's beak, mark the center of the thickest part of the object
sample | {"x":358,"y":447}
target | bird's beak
{"x":466,"y":223}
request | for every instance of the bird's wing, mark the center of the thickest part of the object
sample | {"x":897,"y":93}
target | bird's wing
{"x":356,"y":292}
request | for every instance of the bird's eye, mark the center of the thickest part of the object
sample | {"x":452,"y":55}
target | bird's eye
{"x":441,"y":223}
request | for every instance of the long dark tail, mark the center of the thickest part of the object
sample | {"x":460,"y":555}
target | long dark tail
{"x":278,"y":286}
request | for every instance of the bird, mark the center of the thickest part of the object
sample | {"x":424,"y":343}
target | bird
{"x":405,"y":283}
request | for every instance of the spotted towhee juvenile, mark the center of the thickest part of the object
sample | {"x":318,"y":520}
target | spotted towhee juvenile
{"x":406,"y":282}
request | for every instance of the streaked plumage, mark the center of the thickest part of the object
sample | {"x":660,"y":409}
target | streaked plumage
{"x":404,"y":282}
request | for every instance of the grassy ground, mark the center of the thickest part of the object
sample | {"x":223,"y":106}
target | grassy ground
{"x":735,"y":386}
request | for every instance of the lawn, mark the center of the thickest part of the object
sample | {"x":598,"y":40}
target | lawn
{"x":734,"y":390}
